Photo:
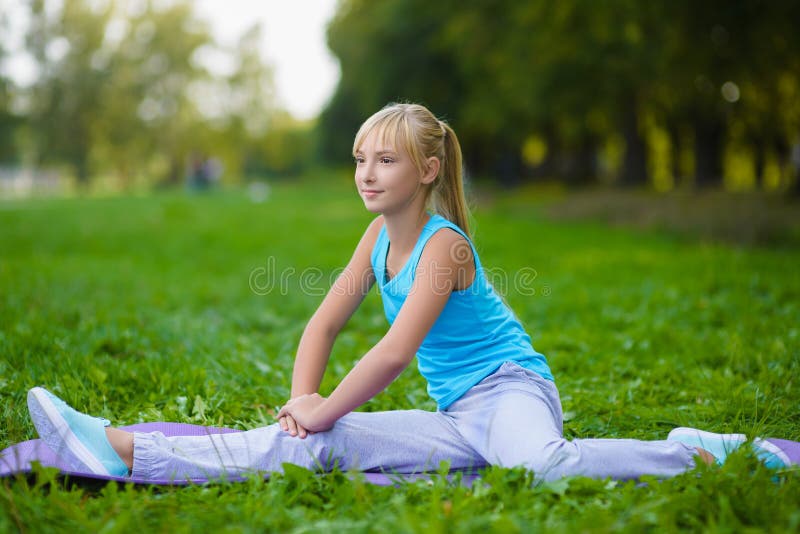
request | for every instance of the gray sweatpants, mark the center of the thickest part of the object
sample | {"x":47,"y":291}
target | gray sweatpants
{"x":511,"y":418}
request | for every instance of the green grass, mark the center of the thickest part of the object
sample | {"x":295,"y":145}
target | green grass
{"x":140,"y":309}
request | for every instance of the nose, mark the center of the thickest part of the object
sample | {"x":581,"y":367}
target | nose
{"x":365,"y":175}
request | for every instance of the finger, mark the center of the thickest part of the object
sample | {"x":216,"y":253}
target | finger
{"x":292,"y":425}
{"x":301,"y":431}
{"x":282,"y":422}
{"x":283,"y":412}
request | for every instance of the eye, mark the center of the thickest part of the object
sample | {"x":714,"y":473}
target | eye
{"x":358,"y":159}
{"x":386,"y":160}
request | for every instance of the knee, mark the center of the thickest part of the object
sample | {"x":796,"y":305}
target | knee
{"x":312,"y":452}
{"x":542,"y":458}
{"x":550,"y":457}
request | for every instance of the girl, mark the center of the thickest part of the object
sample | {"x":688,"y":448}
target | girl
{"x":497,"y":401}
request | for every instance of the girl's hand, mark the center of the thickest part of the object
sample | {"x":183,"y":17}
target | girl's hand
{"x":288,"y":424}
{"x":304,"y":411}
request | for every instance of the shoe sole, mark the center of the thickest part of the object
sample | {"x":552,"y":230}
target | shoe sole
{"x":703,"y":435}
{"x":56,"y":433}
{"x":732,"y":440}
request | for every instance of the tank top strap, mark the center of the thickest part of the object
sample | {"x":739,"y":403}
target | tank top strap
{"x":437,"y":222}
{"x":378,"y":256}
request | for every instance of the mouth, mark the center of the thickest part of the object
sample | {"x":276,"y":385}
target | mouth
{"x":370,"y":192}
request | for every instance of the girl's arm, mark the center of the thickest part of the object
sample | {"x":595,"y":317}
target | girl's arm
{"x":437,"y":274}
{"x":343,"y":298}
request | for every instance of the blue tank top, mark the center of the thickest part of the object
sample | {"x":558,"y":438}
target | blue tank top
{"x":475,"y":333}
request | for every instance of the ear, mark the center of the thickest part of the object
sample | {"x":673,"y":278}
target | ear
{"x":431,"y":170}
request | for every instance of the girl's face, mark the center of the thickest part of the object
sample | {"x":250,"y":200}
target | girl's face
{"x":386,"y":177}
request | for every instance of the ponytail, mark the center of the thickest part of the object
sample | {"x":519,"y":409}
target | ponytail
{"x":449,"y":199}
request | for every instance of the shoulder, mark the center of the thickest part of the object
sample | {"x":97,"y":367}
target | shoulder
{"x":374,"y":227}
{"x":446,"y":236}
{"x":447,"y":242}
{"x":449,"y":258}
{"x":370,"y":235}
{"x":366,"y":245}
{"x":376,"y":223}
{"x":373,"y":230}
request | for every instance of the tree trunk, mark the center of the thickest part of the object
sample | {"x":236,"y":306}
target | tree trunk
{"x":82,"y":173}
{"x":508,"y":165}
{"x":760,"y":163}
{"x":634,"y":166}
{"x":584,"y":163}
{"x":708,"y":136}
{"x":794,"y":188}
{"x":174,"y":173}
{"x":476,"y":162}
{"x":124,"y":175}
{"x":675,"y":148}
{"x":789,"y":159}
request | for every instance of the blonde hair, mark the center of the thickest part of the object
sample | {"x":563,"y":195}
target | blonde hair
{"x":414,"y":128}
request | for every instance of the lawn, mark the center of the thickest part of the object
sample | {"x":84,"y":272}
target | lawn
{"x":188,"y":307}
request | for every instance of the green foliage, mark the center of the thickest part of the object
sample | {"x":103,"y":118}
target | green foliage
{"x":661,"y":94}
{"x":109,"y":99}
{"x":579,"y":75}
{"x":123,"y":94}
{"x":283,"y":151}
{"x":141,"y":309}
{"x":8,"y":120}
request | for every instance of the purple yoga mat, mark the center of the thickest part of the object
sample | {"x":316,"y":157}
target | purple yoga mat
{"x":790,"y":449}
{"x":17,"y":459}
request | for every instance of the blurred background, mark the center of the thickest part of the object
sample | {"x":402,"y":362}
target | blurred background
{"x":132,"y":95}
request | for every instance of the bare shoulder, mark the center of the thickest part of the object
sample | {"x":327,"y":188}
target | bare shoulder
{"x":375,"y":225}
{"x":366,"y":244}
{"x":449,"y":246}
{"x":372,"y":231}
{"x":449,"y":255}
{"x":370,"y":235}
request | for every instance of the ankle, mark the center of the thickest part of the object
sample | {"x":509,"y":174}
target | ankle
{"x":706,"y":456}
{"x":122,"y":443}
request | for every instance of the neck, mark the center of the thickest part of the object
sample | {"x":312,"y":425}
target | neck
{"x":403,"y":228}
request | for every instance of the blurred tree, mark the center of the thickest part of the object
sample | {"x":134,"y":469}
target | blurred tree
{"x":249,"y":104}
{"x":251,"y":101}
{"x":66,"y":97}
{"x":724,"y":62}
{"x":152,"y":66}
{"x":388,"y":52}
{"x":246,"y":127}
{"x":698,"y":59}
{"x":572,"y":89}
{"x":337,"y":126}
{"x":111,"y":86}
{"x":492,"y":61}
{"x":768,"y":95}
{"x":286,"y":149}
{"x":504,"y":70}
{"x":9,"y":121}
{"x":574,"y":76}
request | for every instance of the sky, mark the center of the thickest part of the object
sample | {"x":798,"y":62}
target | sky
{"x":305,"y":72}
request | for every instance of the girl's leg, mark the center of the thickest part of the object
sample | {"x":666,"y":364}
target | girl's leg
{"x":122,"y":443}
{"x":394,"y":441}
{"x":513,"y":418}
{"x":399,"y":441}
